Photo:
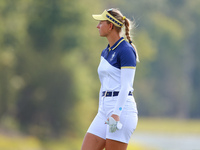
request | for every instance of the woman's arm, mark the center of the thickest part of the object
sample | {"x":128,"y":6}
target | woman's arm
{"x":127,"y":78}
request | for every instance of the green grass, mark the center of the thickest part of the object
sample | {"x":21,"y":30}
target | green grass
{"x":168,"y":125}
{"x":156,"y":125}
{"x":136,"y":146}
{"x":75,"y":144}
{"x":32,"y":143}
{"x":19,"y":143}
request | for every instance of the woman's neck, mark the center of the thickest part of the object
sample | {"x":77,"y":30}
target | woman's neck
{"x":113,"y":38}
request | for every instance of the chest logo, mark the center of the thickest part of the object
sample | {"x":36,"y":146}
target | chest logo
{"x":113,"y":55}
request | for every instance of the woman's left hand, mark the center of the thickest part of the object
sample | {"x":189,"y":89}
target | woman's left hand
{"x":116,"y":117}
{"x":114,"y":123}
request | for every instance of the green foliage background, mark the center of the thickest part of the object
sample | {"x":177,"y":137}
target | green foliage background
{"x":50,"y":50}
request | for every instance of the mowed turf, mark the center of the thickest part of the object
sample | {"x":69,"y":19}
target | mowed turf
{"x":169,"y":125}
{"x":155,"y":125}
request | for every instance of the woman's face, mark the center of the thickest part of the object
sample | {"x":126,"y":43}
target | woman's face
{"x":104,"y":28}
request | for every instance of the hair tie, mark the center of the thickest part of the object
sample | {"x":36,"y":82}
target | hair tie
{"x":124,"y":18}
{"x":130,"y":42}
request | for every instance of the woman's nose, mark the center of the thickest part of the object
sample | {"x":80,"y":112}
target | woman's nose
{"x":98,"y":26}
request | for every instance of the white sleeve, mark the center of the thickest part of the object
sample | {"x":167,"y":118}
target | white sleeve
{"x":127,"y":78}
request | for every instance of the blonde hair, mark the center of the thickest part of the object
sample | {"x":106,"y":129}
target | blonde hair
{"x":128,"y":26}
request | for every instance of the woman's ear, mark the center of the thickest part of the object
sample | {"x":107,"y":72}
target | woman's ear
{"x":111,"y":26}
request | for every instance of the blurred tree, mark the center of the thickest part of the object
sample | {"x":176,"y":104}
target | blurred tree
{"x":169,"y":25}
{"x":39,"y":84}
{"x":193,"y":44}
{"x":50,"y":50}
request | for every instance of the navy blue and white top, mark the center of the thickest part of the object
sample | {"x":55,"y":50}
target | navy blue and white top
{"x":117,"y":70}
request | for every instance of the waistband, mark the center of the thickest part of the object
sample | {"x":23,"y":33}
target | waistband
{"x":114,"y":93}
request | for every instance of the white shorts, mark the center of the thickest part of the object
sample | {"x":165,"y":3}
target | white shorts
{"x":128,"y":117}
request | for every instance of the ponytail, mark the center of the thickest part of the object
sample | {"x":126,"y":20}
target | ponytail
{"x":127,"y":33}
{"x":127,"y":23}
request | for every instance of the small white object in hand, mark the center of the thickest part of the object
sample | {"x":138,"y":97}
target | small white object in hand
{"x":113,"y":125}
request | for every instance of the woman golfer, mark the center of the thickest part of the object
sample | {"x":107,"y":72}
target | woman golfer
{"x":117,"y":114}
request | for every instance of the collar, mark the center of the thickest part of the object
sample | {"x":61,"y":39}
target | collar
{"x":116,"y":44}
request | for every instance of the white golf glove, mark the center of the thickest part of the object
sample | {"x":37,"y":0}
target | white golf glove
{"x":113,"y":125}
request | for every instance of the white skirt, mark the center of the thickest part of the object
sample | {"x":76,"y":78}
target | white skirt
{"x":128,"y":118}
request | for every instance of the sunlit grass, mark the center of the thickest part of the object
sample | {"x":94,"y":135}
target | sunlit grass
{"x":168,"y":125}
{"x":31,"y":143}
{"x":136,"y":146}
{"x":64,"y":144}
{"x":75,"y":144}
{"x":155,"y":125}
{"x":19,"y":143}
